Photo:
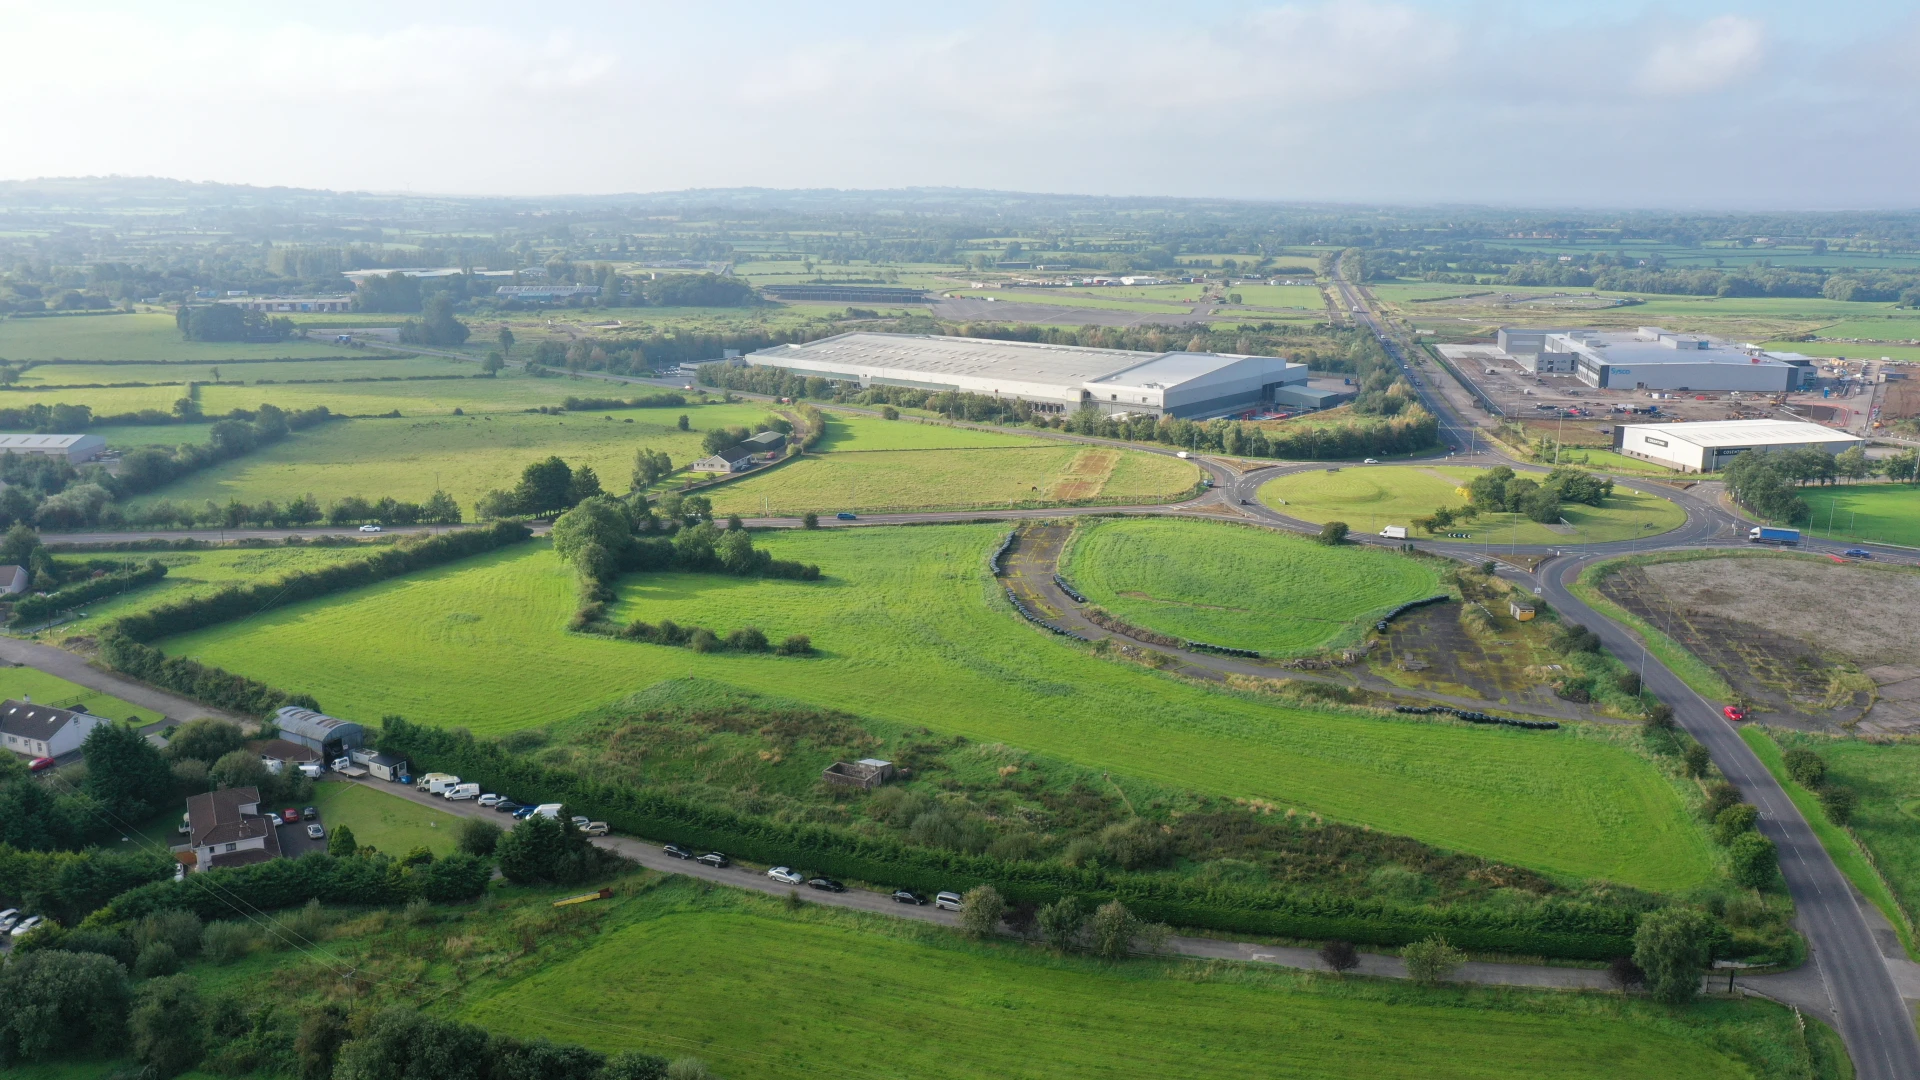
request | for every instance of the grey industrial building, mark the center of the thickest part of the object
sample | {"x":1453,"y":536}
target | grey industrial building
{"x":1708,"y":445}
{"x":1650,"y":358}
{"x":75,"y":448}
{"x":1059,"y":378}
{"x":328,"y":735}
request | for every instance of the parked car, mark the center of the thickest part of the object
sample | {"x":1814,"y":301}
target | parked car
{"x":40,"y":764}
{"x":488,"y":799}
{"x":902,"y":896}
{"x":1371,"y":461}
{"x":581,"y":821}
{"x":289,"y":816}
{"x":507,"y":806}
{"x":27,"y":925}
{"x":311,"y":813}
{"x":369,"y":528}
{"x":8,"y":918}
{"x":315,"y":832}
{"x":523,"y":813}
{"x":947,"y":901}
{"x":844,"y":516}
{"x":594,"y":828}
{"x":1734,"y":712}
{"x":825,"y":884}
{"x":1857,"y":553}
{"x":785,"y":875}
{"x":461,"y":792}
{"x":678,"y":852}
{"x":715,"y":860}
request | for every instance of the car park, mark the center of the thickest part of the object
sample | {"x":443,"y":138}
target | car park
{"x":315,"y":832}
{"x":1734,"y":712}
{"x":715,"y":859}
{"x":947,"y":901}
{"x":311,"y":813}
{"x":1857,"y":553}
{"x":902,"y":896}
{"x":678,"y":852}
{"x":825,"y":884}
{"x":786,"y":875}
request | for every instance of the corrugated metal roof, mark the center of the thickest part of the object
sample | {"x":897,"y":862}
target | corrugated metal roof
{"x":46,"y":442}
{"x":1749,"y":432}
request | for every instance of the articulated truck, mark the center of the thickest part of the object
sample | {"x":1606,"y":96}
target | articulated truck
{"x":1766,"y":534}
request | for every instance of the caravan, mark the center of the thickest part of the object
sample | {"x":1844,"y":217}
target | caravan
{"x":437,"y":783}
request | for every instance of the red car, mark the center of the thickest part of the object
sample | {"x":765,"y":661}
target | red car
{"x":1734,"y":712}
{"x":289,"y":815}
{"x":39,"y":764}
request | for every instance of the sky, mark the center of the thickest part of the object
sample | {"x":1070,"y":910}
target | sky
{"x":1684,"y":105}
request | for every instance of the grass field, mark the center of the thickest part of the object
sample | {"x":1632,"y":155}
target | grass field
{"x":362,"y":366}
{"x":1062,"y":298}
{"x":1305,"y":297}
{"x":196,"y":573}
{"x":121,"y":399}
{"x":1055,"y":474}
{"x":1242,"y":587}
{"x":1370,"y":498}
{"x":852,"y":431}
{"x":145,"y":336}
{"x":913,"y":631}
{"x":128,"y":436}
{"x":20,"y":683}
{"x":1887,"y":821}
{"x":1841,"y":847}
{"x":466,"y":456}
{"x":394,"y":825}
{"x":1889,"y":328}
{"x":1849,"y":351}
{"x":1887,"y":513}
{"x":759,"y":992}
{"x":505,"y":393}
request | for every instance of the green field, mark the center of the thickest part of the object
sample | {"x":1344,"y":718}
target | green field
{"x":466,"y":456}
{"x":506,"y":393}
{"x":1369,"y":498}
{"x":388,"y":822}
{"x":128,"y":436}
{"x":144,"y":336}
{"x":119,"y":399}
{"x":1242,"y":587}
{"x":1062,"y":298}
{"x":1886,"y":513}
{"x":1305,"y":297}
{"x":20,"y":683}
{"x":1887,"y":778}
{"x":1847,"y":351}
{"x":197,"y":573}
{"x":1886,"y":328}
{"x":758,"y":992}
{"x":378,"y":365}
{"x":852,"y":431}
{"x":1055,"y":474}
{"x":914,"y":631}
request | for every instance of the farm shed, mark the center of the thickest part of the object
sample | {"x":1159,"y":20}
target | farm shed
{"x":767,"y":442}
{"x":1709,"y":445}
{"x":328,"y":735}
{"x":74,"y":448}
{"x":866,"y":774}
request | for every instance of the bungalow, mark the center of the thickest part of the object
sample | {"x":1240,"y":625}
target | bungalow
{"x":14,"y":580}
{"x":227,"y":829}
{"x":731,"y":460}
{"x":43,"y":731}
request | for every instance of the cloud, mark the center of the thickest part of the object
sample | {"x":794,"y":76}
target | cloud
{"x":1715,"y":54}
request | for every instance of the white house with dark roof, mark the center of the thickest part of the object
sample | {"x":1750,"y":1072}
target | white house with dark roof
{"x":226,"y":828}
{"x":14,"y":580}
{"x":42,"y":730}
{"x":731,"y":460}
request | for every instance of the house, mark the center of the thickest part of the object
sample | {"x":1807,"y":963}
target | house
{"x":226,"y":828}
{"x":731,"y":460}
{"x":13,"y":580}
{"x":867,"y":773}
{"x":278,"y":754}
{"x":329,"y":736}
{"x":767,"y":442}
{"x":44,"y":731}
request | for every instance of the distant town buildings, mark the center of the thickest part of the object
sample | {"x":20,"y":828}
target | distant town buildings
{"x":291,"y":304}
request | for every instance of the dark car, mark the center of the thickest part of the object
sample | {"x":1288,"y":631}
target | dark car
{"x":508,"y":806}
{"x":844,"y":516}
{"x":1857,"y":553}
{"x":902,"y":896}
{"x":677,"y":851}
{"x":715,"y":860}
{"x":825,"y":884}
{"x":523,"y":813}
{"x":310,"y":813}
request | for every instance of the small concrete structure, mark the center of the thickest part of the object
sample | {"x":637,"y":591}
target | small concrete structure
{"x":865,"y":774}
{"x":1521,"y":612}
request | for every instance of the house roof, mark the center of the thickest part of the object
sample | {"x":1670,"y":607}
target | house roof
{"x":13,"y":578}
{"x":766,"y":438}
{"x":28,"y":721}
{"x":247,"y":856}
{"x":217,"y":817}
{"x":282,"y":750}
{"x":733,"y":454}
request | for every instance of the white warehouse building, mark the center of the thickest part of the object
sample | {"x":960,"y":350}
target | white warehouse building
{"x":1650,"y":358}
{"x":1707,"y":446}
{"x":1057,"y":378}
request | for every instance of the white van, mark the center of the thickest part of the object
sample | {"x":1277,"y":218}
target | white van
{"x":547,"y":809}
{"x":460,"y":792}
{"x":1394,"y":532}
{"x":436,"y":783}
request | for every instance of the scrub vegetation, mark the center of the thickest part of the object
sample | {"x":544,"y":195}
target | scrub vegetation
{"x":1371,"y":498}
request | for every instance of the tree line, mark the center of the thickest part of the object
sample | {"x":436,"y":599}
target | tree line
{"x":1768,"y":482}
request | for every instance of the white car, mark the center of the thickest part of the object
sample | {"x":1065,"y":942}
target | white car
{"x":785,"y":875}
{"x":947,"y":901}
{"x":369,"y":528}
{"x":1371,"y":461}
{"x":489,"y":799}
{"x":8,"y":918}
{"x":27,"y":925}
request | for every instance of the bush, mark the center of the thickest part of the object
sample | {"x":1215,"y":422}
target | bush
{"x":1697,"y":760}
{"x":1333,"y":532}
{"x":225,"y":942}
{"x":1674,"y":948}
{"x":1720,"y":796}
{"x":55,"y":1002}
{"x":1839,"y":804}
{"x":179,"y":929}
{"x":168,"y":1026}
{"x":544,"y":849}
{"x":1060,"y":922}
{"x":1339,"y":956}
{"x":479,"y":837}
{"x":1431,"y":960}
{"x":1624,"y":974}
{"x":810,"y":521}
{"x":1807,"y":768}
{"x":1753,"y":859}
{"x":1733,"y":822}
{"x":980,"y":911}
{"x":796,"y":645}
{"x":1660,"y":716}
{"x":457,"y":878}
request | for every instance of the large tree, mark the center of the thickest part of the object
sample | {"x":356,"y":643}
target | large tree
{"x":1674,"y":946}
{"x":52,"y":1001}
{"x":544,"y":486}
{"x":126,"y":773}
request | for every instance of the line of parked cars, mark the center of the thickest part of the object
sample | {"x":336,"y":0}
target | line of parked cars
{"x":787,"y":875}
{"x":11,"y":922}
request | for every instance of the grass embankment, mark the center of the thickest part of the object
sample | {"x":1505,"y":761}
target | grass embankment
{"x":1846,"y":854}
{"x":392,"y":824}
{"x":20,"y":683}
{"x":881,"y":481}
{"x":197,"y":573}
{"x":466,"y":456}
{"x":234,"y":373}
{"x":1691,"y":669}
{"x":1242,"y":587}
{"x":1370,"y":498}
{"x":853,"y":431}
{"x":914,"y":631}
{"x":143,"y":336}
{"x":1877,"y":513}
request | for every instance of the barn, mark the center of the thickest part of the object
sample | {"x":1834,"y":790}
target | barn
{"x":329,"y":736}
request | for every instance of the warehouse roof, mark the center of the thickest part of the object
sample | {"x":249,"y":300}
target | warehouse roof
{"x":938,"y":355}
{"x":46,"y":442}
{"x":1752,"y":432}
{"x":1172,"y":369}
{"x":319,"y":727}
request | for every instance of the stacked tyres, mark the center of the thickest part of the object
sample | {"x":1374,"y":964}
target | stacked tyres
{"x":1071,"y":592}
{"x":1028,"y":614}
{"x":1472,"y":717}
{"x":1201,"y":646}
{"x":1406,"y":607}
{"x":999,"y":553}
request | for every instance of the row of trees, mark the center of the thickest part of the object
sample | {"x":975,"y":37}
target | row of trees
{"x":1767,"y":483}
{"x":1501,"y":490}
{"x":439,"y":509}
{"x":546,"y":486}
{"x":229,"y":322}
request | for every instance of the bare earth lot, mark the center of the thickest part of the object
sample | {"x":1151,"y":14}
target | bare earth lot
{"x":1786,"y":632}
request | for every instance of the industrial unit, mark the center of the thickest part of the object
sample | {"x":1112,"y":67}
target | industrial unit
{"x":75,"y":448}
{"x":1058,"y":378}
{"x":1654,"y":359}
{"x":1708,"y":445}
